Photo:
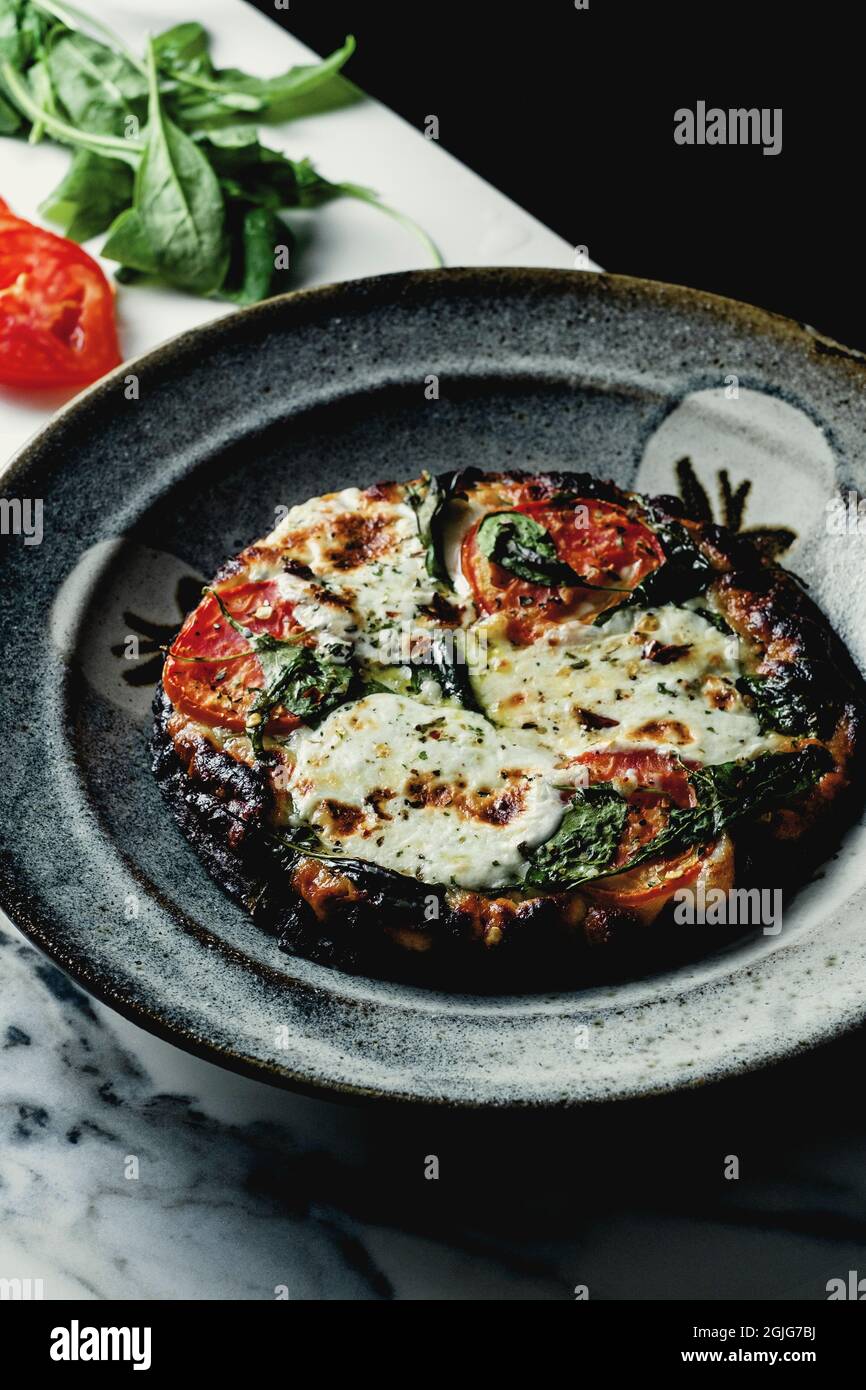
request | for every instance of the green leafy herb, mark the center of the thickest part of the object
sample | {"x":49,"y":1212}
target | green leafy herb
{"x":789,"y":702}
{"x":725,"y":794}
{"x":429,"y":499}
{"x":585,"y":842}
{"x":523,"y":546}
{"x":96,"y":86}
{"x":179,"y":202}
{"x":709,"y":615}
{"x":256,"y":272}
{"x":94,"y":192}
{"x":128,"y":243}
{"x":302,"y":679}
{"x":686,"y":572}
{"x":188,"y":132}
{"x":452,"y":675}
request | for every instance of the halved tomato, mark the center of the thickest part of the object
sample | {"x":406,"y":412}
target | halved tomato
{"x":654,"y":783}
{"x":210,"y":673}
{"x":599,"y":540}
{"x":56,"y":309}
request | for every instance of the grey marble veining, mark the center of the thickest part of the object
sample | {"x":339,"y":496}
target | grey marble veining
{"x":242,"y":1189}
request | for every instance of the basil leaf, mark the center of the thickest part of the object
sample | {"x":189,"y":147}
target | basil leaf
{"x":585,"y":842}
{"x":788,"y":702}
{"x":93,"y":193}
{"x":178,"y":198}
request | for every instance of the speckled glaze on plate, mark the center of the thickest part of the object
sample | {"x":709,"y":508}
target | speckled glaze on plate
{"x":173,"y":463}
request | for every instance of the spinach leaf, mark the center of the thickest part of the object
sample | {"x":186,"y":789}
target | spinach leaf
{"x":42,"y":88}
{"x":396,"y":891}
{"x":452,"y":674}
{"x":709,"y":615}
{"x":685,"y":573}
{"x":70,"y":17}
{"x":114,"y":146}
{"x":523,"y":546}
{"x":305,"y":681}
{"x":97,"y":87}
{"x":726,"y":793}
{"x":254,"y":274}
{"x":128,"y":243}
{"x":184,"y":45}
{"x":10,"y":121}
{"x":178,"y":198}
{"x":585,"y":842}
{"x":94,"y":191}
{"x":789,"y":702}
{"x":303,"y":90}
{"x":429,"y":501}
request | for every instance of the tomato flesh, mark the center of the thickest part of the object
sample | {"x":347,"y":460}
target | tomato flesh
{"x":599,"y":540}
{"x":57,"y":325}
{"x":210,"y":674}
{"x":654,"y":783}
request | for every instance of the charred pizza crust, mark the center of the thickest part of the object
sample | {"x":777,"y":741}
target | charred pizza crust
{"x":363,"y":917}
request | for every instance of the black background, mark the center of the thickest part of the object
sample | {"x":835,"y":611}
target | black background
{"x":571,"y":114}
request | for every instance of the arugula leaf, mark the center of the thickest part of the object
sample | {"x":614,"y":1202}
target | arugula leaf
{"x":522,"y":545}
{"x":90,"y":197}
{"x":178,"y":198}
{"x":788,"y":702}
{"x":298,"y":677}
{"x":726,"y":793}
{"x":585,"y":842}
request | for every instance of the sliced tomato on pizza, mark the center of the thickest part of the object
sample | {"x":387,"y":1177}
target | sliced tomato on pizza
{"x":543,"y":562}
{"x":211,"y":674}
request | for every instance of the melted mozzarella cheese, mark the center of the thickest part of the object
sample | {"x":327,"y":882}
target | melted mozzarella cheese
{"x":368,"y":552}
{"x":437,"y":794}
{"x":576,"y":677}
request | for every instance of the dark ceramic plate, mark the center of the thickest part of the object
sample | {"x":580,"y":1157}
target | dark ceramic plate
{"x":152,"y":478}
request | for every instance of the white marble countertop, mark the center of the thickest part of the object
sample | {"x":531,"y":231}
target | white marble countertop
{"x":130,"y":1169}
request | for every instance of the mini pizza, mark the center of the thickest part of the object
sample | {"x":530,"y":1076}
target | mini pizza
{"x":481,"y":717}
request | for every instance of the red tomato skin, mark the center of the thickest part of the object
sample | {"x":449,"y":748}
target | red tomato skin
{"x":610,"y":536}
{"x":57,"y":324}
{"x":191,"y":686}
{"x":659,"y":780}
